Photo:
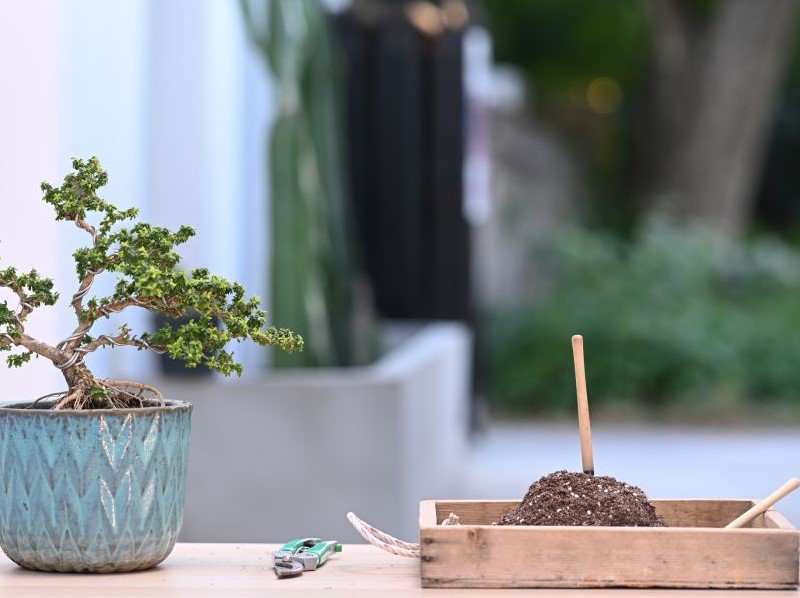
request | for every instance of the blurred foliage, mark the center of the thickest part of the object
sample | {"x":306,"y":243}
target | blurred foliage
{"x":670,"y":316}
{"x":583,"y":62}
{"x":312,"y":266}
{"x":562,"y":45}
{"x":777,"y":206}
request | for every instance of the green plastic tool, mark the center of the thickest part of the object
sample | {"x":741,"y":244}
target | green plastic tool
{"x":303,"y":554}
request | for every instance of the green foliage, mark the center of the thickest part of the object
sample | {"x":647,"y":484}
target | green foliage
{"x":585,"y":63}
{"x":589,"y":66}
{"x":77,"y":197}
{"x":32,"y":291}
{"x":199,"y":340}
{"x":31,"y":288}
{"x":98,"y":393}
{"x":670,"y":316}
{"x":564,"y":44}
{"x":144,"y":259}
{"x":16,"y":360}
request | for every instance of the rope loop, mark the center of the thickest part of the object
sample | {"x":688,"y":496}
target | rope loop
{"x":389,"y":543}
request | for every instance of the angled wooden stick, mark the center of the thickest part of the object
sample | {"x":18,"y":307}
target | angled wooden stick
{"x":765,"y":504}
{"x":583,"y":406}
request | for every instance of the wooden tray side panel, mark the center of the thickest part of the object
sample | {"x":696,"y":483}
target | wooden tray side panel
{"x":773,"y":519}
{"x":477,"y":555}
{"x":702,"y":512}
{"x":676,"y":512}
{"x":472,"y":512}
{"x":521,"y":557}
{"x":427,"y":514}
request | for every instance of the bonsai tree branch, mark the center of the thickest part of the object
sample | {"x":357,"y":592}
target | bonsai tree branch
{"x":86,"y":323}
{"x":123,"y":338}
{"x":35,"y":346}
{"x":32,"y":291}
{"x":83,"y":288}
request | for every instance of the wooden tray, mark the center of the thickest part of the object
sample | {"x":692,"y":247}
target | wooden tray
{"x":694,"y":552}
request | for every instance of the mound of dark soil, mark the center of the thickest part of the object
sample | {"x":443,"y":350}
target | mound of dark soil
{"x":567,"y":498}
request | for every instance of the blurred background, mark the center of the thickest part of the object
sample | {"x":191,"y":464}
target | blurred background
{"x":438,"y":195}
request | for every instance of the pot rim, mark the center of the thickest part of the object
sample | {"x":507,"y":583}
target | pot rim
{"x":22,"y":407}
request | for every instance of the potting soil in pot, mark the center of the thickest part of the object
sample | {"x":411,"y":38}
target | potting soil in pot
{"x":569,"y":498}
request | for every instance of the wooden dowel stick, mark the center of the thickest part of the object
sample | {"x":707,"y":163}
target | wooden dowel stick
{"x":765,"y":504}
{"x":583,"y":405}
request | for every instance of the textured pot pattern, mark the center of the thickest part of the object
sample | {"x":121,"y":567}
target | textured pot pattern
{"x":92,"y":491}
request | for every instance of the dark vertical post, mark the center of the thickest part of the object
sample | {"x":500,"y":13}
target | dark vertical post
{"x":449,"y":251}
{"x":405,"y":112}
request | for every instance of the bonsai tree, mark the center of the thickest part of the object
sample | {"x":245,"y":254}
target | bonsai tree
{"x":144,"y":258}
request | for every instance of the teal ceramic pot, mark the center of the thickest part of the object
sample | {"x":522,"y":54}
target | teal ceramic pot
{"x":92,"y":491}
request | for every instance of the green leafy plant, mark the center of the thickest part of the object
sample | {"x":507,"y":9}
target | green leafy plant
{"x":144,"y":258}
{"x":670,"y":317}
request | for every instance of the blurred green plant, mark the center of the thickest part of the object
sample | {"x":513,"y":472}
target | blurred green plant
{"x":312,"y":271}
{"x":562,"y":45}
{"x":670,"y":316}
{"x":635,"y":86}
{"x":584,"y":63}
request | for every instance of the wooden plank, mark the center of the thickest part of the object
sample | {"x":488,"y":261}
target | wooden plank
{"x":676,"y":512}
{"x":776,"y":520}
{"x":227,"y":571}
{"x":242,"y":570}
{"x":699,"y":512}
{"x":485,"y":557}
{"x":427,"y":514}
{"x":699,"y":554}
{"x":472,"y":512}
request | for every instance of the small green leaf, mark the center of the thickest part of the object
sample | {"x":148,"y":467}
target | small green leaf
{"x":16,"y":360}
{"x":98,"y":392}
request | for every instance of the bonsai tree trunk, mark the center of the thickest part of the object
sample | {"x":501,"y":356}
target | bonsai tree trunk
{"x":714,"y":82}
{"x":79,"y":380}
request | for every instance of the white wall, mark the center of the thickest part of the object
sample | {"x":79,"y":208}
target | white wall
{"x":208,"y":106}
{"x":103,"y":82}
{"x":30,"y":134}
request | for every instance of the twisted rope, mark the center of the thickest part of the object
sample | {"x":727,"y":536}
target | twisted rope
{"x":382,"y":540}
{"x":389,"y":543}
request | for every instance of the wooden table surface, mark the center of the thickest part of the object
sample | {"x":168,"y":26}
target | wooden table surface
{"x":233,"y":570}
